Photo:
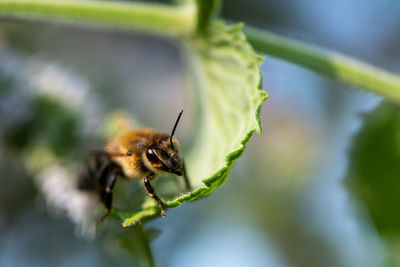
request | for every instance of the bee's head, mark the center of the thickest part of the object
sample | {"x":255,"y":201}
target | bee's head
{"x":164,"y":155}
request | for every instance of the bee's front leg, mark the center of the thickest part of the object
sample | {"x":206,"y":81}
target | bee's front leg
{"x":150,"y":190}
{"x":107,"y":195}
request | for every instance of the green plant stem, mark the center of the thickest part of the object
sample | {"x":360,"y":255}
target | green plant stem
{"x":162,"y":19}
{"x":334,"y":65}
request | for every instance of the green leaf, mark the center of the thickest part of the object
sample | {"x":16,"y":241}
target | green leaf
{"x":374,"y":173}
{"x":227,"y":75}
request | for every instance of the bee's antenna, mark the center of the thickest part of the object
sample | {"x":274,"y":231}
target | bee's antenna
{"x":173,"y":130}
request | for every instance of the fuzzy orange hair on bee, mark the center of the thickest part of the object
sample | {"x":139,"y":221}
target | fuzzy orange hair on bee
{"x":140,"y":154}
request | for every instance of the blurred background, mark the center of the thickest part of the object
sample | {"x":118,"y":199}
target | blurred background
{"x":285,"y":202}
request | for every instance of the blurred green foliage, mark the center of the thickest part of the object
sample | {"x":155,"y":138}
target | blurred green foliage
{"x":374,"y":171}
{"x":51,"y":124}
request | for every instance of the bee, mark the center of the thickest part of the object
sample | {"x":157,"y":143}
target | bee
{"x":137,"y":154}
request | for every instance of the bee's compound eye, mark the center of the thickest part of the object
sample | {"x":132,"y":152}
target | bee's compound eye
{"x":151,"y":156}
{"x":129,"y":153}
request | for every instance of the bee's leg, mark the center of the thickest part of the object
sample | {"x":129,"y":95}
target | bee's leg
{"x":107,"y":195}
{"x":150,"y":190}
{"x":186,"y":178}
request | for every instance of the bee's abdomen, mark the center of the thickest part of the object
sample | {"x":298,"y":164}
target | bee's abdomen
{"x":95,"y":170}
